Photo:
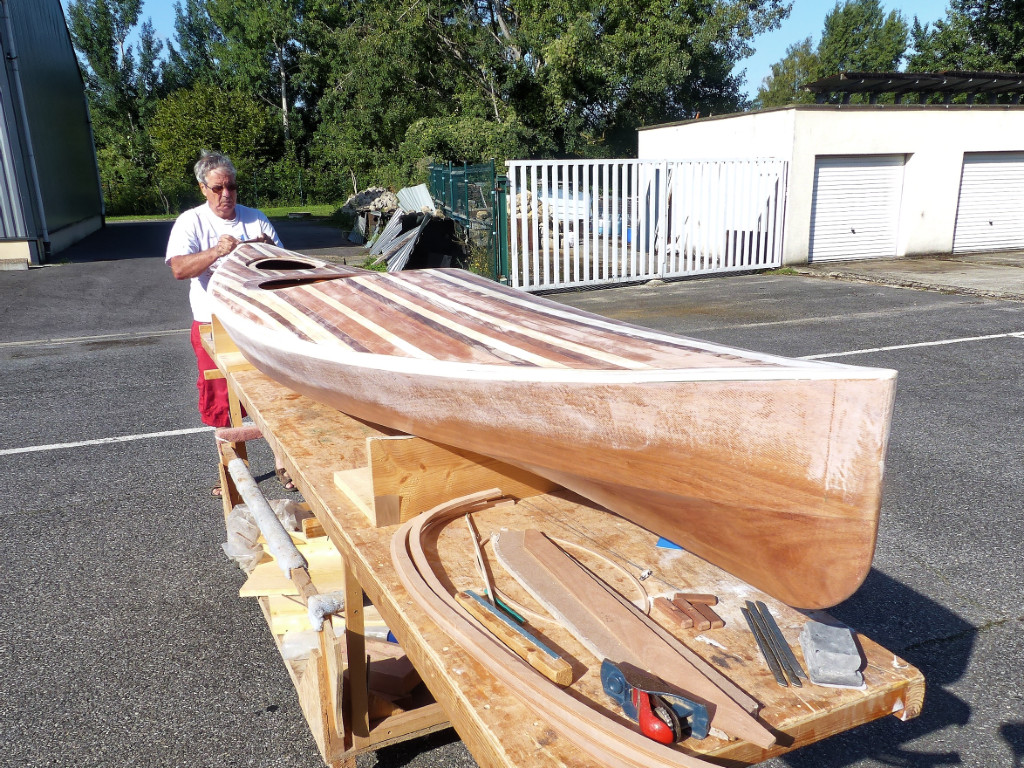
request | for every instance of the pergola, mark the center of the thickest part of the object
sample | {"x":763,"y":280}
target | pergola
{"x":988,"y":85}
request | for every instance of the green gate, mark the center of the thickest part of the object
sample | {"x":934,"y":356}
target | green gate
{"x":476,"y":198}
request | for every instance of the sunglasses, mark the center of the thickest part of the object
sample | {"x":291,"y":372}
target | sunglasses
{"x":232,"y":187}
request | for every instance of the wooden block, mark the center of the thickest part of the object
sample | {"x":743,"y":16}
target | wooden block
{"x":326,"y":569}
{"x":312,"y":529}
{"x":528,"y":648}
{"x":668,"y":613}
{"x":220,"y":340}
{"x":389,"y":672}
{"x":423,"y":474}
{"x":713,"y":618}
{"x":408,"y":475}
{"x":693,"y":599}
{"x":700,"y":622}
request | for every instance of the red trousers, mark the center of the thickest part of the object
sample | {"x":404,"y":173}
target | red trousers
{"x":213,"y":394}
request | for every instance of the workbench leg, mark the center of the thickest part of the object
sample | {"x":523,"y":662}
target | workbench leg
{"x":357,"y":719}
{"x":234,"y":405}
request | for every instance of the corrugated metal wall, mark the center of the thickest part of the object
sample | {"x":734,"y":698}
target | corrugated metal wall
{"x":58,"y":120}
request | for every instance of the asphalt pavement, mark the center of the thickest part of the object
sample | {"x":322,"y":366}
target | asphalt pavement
{"x":122,"y":636}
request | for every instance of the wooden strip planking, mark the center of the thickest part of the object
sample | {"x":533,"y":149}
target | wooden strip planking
{"x":644,"y":351}
{"x":547,"y":307}
{"x":502,"y":324}
{"x":509,"y":349}
{"x":423,"y":333}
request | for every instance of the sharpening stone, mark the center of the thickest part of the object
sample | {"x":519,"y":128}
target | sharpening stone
{"x":832,"y":656}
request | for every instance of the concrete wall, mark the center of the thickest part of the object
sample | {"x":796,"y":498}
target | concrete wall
{"x":933,"y":139}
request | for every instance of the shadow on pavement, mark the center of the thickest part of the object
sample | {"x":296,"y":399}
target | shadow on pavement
{"x":940,"y":645}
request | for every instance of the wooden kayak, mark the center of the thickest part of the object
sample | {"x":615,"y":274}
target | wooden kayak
{"x":768,"y":467}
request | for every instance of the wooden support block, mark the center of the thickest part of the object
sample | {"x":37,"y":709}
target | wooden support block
{"x":312,"y":529}
{"x":408,"y":475}
{"x":713,"y":618}
{"x":700,"y":621}
{"x":389,"y":671}
{"x":664,"y":609}
{"x":693,"y":599}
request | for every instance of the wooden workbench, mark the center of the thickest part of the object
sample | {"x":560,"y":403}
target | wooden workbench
{"x":315,"y":442}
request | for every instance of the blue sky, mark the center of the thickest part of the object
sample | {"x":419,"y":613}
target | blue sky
{"x":805,"y":20}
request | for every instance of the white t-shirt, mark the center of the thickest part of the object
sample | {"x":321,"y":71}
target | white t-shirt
{"x":200,"y":228}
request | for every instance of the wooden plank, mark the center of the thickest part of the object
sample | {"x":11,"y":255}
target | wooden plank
{"x":389,"y":670}
{"x":326,"y":570}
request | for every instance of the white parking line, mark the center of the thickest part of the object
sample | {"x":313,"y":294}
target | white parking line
{"x":103,"y":441}
{"x":86,"y":339}
{"x":1016,"y":334}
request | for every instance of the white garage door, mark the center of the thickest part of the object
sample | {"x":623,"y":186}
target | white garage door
{"x":855,"y":210}
{"x":990,"y":214}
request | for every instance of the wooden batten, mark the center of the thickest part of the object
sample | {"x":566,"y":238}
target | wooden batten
{"x":408,"y":475}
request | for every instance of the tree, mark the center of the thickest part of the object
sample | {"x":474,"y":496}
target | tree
{"x":193,"y":61}
{"x":577,"y":76}
{"x":976,"y":35}
{"x":784,"y":86}
{"x":232,"y":123}
{"x":857,"y":37}
{"x":123,"y":85}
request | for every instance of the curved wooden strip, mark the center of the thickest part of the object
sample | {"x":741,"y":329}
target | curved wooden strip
{"x":600,"y":737}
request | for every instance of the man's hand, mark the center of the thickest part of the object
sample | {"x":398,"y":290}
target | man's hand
{"x":194,"y":264}
{"x":225,"y":245}
{"x":263,"y":238}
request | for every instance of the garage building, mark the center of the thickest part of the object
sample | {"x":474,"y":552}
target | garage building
{"x":879,"y":181}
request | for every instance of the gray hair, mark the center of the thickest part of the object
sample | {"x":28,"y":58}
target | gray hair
{"x":212,"y":161}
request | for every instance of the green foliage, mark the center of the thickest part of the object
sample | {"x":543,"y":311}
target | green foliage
{"x":366,"y":92}
{"x":784,"y":86}
{"x":208,"y":117}
{"x":976,"y":35}
{"x":857,"y":36}
{"x":469,"y":139}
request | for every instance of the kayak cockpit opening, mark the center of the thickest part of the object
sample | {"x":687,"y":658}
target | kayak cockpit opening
{"x":282,"y":265}
{"x":295,"y":282}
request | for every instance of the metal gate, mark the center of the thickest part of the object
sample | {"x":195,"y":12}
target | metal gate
{"x":598,"y":222}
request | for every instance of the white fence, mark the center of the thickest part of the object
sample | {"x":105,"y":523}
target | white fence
{"x":595,"y":222}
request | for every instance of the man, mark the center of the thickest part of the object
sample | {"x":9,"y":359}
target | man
{"x":200,"y":238}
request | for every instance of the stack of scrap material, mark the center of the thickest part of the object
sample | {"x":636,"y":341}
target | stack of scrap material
{"x":418,"y":240}
{"x":396,"y":243}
